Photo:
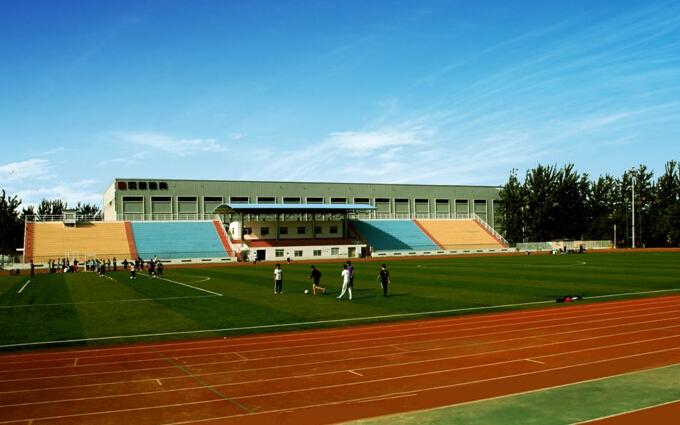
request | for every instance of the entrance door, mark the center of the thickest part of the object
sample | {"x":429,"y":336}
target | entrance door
{"x":261,"y":254}
{"x":351,"y":252}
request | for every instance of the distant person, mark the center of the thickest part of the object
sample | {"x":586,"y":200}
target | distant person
{"x":125,"y":264}
{"x":32,"y":268}
{"x":150,"y":267}
{"x":288,"y":257}
{"x":133,"y":271}
{"x":115,"y":267}
{"x":159,"y":269}
{"x":350,"y":269}
{"x":316,"y":275}
{"x":278,"y":279}
{"x":384,"y":277}
{"x":345,"y":282}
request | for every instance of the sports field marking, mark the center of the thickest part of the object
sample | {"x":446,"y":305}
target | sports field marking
{"x":203,"y":383}
{"x":186,"y":404}
{"x":296,"y":324}
{"x":23,"y":287}
{"x":412,"y":363}
{"x":241,"y":356}
{"x":627,"y":412}
{"x":397,"y":395}
{"x":203,"y":279}
{"x":487,"y":411}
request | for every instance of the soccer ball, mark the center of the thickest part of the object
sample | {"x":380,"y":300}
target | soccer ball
{"x":306,"y":291}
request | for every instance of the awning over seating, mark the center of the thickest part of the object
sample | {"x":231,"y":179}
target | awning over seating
{"x":291,"y":208}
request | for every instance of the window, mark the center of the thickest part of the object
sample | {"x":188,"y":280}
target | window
{"x":213,"y":199}
{"x":278,"y":253}
{"x":283,"y":230}
{"x":301,"y":230}
{"x":316,"y":253}
{"x":333,"y":230}
{"x":291,"y":199}
{"x":311,"y":200}
{"x":247,"y":230}
{"x":122,"y":186}
{"x":163,"y":185}
{"x":401,"y":208}
{"x":317,"y":230}
{"x":335,"y":251}
{"x":142,"y":185}
{"x":266,"y":200}
{"x":297,"y":253}
{"x":239,"y":199}
{"x":264,"y":231}
{"x":338,"y":200}
{"x":132,"y":185}
{"x":362,"y":201}
{"x":186,"y":199}
{"x":153,"y":186}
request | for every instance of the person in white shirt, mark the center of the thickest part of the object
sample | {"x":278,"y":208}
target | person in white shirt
{"x":278,"y":279}
{"x":345,"y":282}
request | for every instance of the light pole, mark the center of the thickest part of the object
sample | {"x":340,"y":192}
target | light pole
{"x":633,"y":173}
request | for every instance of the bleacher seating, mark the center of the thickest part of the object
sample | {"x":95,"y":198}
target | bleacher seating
{"x":103,"y":240}
{"x":460,"y":234}
{"x":394,"y":235}
{"x":177,"y":239}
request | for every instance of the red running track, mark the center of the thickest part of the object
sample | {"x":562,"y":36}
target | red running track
{"x":329,"y":376}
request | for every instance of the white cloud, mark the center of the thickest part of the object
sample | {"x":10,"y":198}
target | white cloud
{"x":177,"y":147}
{"x":17,"y":171}
{"x":83,"y":191}
{"x":360,"y":143}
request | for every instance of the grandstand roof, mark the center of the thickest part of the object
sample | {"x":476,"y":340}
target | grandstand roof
{"x":290,"y":208}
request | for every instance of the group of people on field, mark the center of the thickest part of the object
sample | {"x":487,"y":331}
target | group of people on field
{"x":347,"y":276}
{"x":153,"y":266}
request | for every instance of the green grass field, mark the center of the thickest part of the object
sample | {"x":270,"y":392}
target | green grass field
{"x":83,"y":309}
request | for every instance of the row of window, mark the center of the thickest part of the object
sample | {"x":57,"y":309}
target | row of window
{"x":298,"y":253}
{"x":283,"y":230}
{"x":142,"y":185}
{"x":297,"y":200}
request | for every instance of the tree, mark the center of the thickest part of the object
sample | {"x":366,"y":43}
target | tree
{"x":601,"y":207}
{"x":91,"y":212}
{"x":663,"y":224}
{"x":541,"y":203}
{"x":568,"y":211}
{"x":51,"y":208}
{"x":511,"y":209}
{"x":11,"y":227}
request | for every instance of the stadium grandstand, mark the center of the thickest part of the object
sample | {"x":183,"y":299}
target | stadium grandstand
{"x":206,"y":221}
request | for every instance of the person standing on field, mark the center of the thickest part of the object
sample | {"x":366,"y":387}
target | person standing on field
{"x":350,"y":269}
{"x":317,"y":277}
{"x":345,"y":282}
{"x":384,"y":277}
{"x":278,"y":279}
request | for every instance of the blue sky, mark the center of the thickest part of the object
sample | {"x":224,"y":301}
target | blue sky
{"x":422,"y":91}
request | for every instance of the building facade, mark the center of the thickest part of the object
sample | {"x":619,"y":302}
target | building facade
{"x":132,"y":199}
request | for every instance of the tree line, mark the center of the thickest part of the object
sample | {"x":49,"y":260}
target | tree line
{"x":12,"y":220}
{"x":561,"y":204}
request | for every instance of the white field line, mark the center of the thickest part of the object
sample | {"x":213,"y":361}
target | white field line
{"x":23,"y":287}
{"x":295,"y":324}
